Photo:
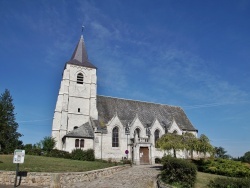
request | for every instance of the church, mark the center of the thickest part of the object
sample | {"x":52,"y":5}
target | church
{"x":114,"y":128}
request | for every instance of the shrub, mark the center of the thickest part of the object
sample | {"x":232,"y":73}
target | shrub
{"x":157,"y":160}
{"x":126,"y":161}
{"x":90,"y":155}
{"x":229,"y":183}
{"x":59,"y":154}
{"x":224,"y":167}
{"x":178,"y":171}
{"x":35,"y":151}
{"x":78,"y":154}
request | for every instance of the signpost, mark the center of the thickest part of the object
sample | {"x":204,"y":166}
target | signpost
{"x":18,"y":158}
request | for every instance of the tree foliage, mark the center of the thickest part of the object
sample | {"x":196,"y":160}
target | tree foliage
{"x":48,"y":143}
{"x":170,"y":141}
{"x":188,"y":141}
{"x":204,"y":145}
{"x":191,"y":142}
{"x":220,"y":152}
{"x":9,"y":137}
{"x":246,"y":157}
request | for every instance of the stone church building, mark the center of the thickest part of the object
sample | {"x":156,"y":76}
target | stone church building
{"x":115,"y":128}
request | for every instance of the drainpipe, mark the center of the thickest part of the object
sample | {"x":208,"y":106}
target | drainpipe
{"x":101,"y":144}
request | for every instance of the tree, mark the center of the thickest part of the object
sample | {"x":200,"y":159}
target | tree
{"x":48,"y":143}
{"x":27,"y":148}
{"x":9,"y":137}
{"x":220,"y":152}
{"x":246,"y":157}
{"x":204,"y":145}
{"x":191,"y":142}
{"x":171,"y":141}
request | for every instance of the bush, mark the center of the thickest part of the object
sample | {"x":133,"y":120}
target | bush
{"x":224,"y":167}
{"x":78,"y":154}
{"x":229,"y":183}
{"x":59,"y":154}
{"x":178,"y":171}
{"x":90,"y":155}
{"x":35,"y":151}
{"x":126,"y":161}
{"x":157,"y":160}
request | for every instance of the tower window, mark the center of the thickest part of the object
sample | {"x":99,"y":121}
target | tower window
{"x":115,"y":137}
{"x":79,"y":78}
{"x":79,"y":110}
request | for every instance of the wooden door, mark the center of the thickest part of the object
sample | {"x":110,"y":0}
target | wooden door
{"x":144,"y":155}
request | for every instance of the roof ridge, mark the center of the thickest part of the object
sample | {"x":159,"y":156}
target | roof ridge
{"x":139,"y":101}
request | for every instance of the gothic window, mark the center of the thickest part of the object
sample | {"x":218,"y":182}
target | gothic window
{"x":82,"y":143}
{"x":157,"y":135}
{"x":80,"y":78}
{"x":115,"y":137}
{"x":137,"y":132}
{"x":175,"y":132}
{"x":77,"y":143}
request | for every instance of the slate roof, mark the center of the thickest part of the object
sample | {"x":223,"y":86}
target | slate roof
{"x":80,"y":56}
{"x":84,"y":131}
{"x":147,"y":112}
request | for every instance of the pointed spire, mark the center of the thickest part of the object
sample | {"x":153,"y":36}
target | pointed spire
{"x":80,"y":56}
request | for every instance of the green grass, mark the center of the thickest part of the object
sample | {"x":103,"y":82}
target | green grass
{"x":203,"y":179}
{"x":49,"y":164}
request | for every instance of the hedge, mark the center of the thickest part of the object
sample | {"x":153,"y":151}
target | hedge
{"x":229,"y":183}
{"x":224,"y":167}
{"x":178,"y":172}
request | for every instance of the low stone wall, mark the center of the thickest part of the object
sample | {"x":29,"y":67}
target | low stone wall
{"x":55,"y":180}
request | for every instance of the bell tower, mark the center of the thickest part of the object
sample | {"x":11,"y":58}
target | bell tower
{"x":76,"y":101}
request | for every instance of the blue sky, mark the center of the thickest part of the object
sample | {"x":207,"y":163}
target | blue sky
{"x":193,"y":54}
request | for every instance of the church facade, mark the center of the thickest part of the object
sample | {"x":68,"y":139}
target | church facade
{"x":115,"y":128}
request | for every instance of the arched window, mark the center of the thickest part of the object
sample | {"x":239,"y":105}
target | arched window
{"x":137,"y":132}
{"x":77,"y":143}
{"x":115,"y":137}
{"x":175,"y":132}
{"x":82,"y":143}
{"x":75,"y":127}
{"x":79,"y":78}
{"x":157,"y":135}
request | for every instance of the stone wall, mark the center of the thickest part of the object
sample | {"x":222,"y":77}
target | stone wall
{"x":55,"y":180}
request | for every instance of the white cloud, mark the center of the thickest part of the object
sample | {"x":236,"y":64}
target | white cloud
{"x":191,"y":77}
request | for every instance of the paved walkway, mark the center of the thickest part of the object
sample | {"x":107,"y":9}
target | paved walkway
{"x":140,"y":176}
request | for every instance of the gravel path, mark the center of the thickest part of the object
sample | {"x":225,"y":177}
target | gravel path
{"x":141,"y":176}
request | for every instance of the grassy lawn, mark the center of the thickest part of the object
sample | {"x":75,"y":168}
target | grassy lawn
{"x":203,"y":179}
{"x":49,"y":164}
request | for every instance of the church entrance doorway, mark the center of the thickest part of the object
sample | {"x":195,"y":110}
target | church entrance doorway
{"x":144,"y":155}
